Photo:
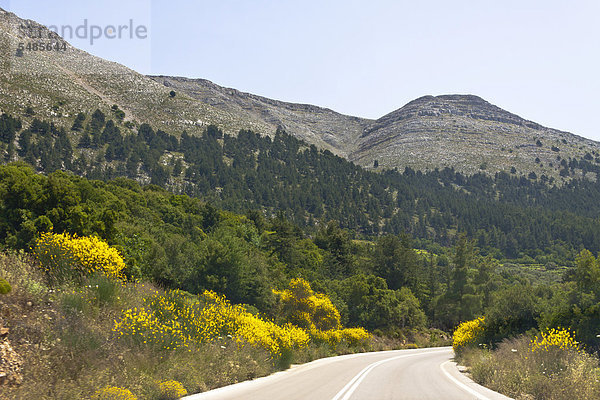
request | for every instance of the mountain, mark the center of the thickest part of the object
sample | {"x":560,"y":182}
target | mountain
{"x":60,"y":83}
{"x":467,"y":133}
{"x":460,"y":131}
{"x":323,"y":127}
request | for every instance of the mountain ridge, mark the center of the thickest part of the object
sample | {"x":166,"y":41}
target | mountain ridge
{"x":464,"y":132}
{"x":322,"y":126}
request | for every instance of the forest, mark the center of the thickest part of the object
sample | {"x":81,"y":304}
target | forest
{"x":509,"y":216}
{"x":383,"y":284}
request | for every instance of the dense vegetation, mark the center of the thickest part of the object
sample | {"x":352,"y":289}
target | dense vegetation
{"x":89,"y":322}
{"x":508,"y":215}
{"x":179,"y":242}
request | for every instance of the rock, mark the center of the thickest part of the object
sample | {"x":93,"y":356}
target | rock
{"x":10,"y":365}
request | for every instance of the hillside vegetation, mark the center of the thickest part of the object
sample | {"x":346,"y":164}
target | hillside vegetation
{"x":318,"y":236}
{"x":540,"y":345}
{"x":96,"y":334}
{"x":158,"y":297}
{"x":143,"y":300}
{"x":510,"y":216}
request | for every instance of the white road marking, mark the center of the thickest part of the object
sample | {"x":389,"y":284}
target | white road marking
{"x":460,"y":384}
{"x":351,"y":386}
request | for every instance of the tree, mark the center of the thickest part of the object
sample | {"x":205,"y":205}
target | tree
{"x":9,"y":127}
{"x":587,"y":273}
{"x":97,"y":122}
{"x":463,"y":256}
{"x":373,"y":305}
{"x":178,"y":167}
{"x":513,"y":310}
{"x":78,"y":123}
{"x":85,"y":141}
{"x":281,"y":238}
{"x":532,"y":175}
{"x":337,"y":243}
{"x":396,"y":261}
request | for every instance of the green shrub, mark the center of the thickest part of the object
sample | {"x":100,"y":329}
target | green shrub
{"x":4,"y":286}
{"x":73,"y":303}
{"x":285,"y":359}
{"x":104,"y":290}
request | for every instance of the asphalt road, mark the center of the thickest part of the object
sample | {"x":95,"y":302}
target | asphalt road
{"x":400,"y":374}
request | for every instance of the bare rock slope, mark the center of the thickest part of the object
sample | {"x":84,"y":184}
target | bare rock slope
{"x":316,"y":125}
{"x":469,"y":134}
{"x":58,"y":83}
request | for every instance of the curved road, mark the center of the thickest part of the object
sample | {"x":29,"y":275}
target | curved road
{"x":399,"y":374}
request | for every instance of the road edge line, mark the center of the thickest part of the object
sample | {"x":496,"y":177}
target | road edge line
{"x":460,"y":384}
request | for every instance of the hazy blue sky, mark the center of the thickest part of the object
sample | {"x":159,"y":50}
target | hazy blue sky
{"x":538,"y":59}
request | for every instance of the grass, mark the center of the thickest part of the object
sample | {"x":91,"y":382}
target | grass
{"x":516,"y":371}
{"x":64,"y":334}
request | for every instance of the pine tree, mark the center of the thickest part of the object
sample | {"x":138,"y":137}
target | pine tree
{"x":78,"y":123}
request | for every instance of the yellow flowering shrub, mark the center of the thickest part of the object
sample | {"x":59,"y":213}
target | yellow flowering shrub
{"x":331,"y":337}
{"x":554,"y":339}
{"x":269,"y":335}
{"x":171,"y":390}
{"x":114,"y":393}
{"x":468,"y":333}
{"x":354,"y":336}
{"x":174,"y":320}
{"x":350,"y":336}
{"x":305,"y":308}
{"x":316,"y":313}
{"x":64,"y":256}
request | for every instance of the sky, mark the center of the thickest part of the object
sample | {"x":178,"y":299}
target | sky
{"x":537,"y":59}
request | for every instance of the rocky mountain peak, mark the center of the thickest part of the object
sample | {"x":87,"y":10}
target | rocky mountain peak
{"x":467,"y":133}
{"x":449,"y":105}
